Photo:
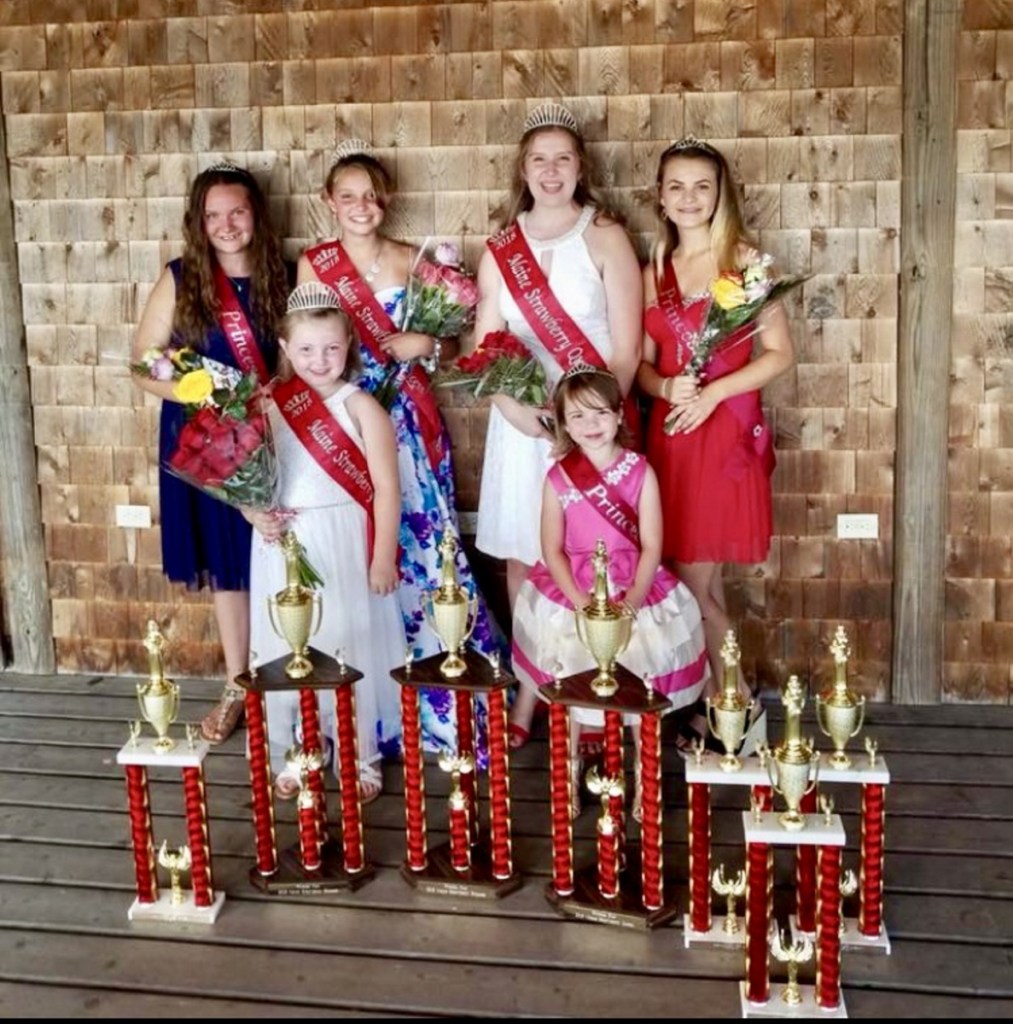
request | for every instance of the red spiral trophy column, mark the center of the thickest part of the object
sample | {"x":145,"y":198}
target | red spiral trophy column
{"x":318,"y":861}
{"x":621,"y":888}
{"x":765,"y":830}
{"x":158,"y":700}
{"x":473,"y":862}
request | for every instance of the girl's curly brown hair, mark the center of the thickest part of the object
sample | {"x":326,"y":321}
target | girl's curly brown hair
{"x":197,"y":307}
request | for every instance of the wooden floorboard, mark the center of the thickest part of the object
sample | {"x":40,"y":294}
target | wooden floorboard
{"x":67,"y":949}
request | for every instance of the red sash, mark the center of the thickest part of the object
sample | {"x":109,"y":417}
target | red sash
{"x":527,"y":283}
{"x":328,"y":442}
{"x":333,"y":267}
{"x":602,"y":496}
{"x":237,"y":330}
{"x":745,"y":407}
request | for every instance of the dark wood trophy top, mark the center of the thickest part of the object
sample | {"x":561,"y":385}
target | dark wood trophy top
{"x":479,"y":677}
{"x":327,"y":674}
{"x":632,"y":697}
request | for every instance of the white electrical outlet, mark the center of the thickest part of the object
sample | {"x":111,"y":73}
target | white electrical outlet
{"x":858,"y":526}
{"x":133,"y":516}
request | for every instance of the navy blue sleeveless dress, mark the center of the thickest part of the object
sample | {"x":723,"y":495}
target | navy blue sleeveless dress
{"x":205,"y":543}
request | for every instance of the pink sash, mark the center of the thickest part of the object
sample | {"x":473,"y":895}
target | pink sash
{"x":334,"y":267}
{"x":326,"y":440}
{"x":745,"y":407}
{"x":237,"y":330}
{"x":602,"y":496}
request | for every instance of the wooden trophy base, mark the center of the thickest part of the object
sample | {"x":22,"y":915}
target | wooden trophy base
{"x":441,"y":878}
{"x":187,"y":912}
{"x":292,"y":879}
{"x":626,"y":910}
{"x":777,"y":1007}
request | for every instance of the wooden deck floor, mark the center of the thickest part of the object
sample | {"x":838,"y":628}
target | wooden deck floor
{"x":67,"y":949}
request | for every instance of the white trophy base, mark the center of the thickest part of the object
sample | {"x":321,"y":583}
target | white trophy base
{"x":777,"y":1007}
{"x":717,"y":937}
{"x":851,"y":938}
{"x":163,"y":909}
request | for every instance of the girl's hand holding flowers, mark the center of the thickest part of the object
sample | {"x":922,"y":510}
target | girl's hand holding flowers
{"x":685,"y":417}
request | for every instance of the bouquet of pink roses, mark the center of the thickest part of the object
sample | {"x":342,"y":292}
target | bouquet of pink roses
{"x":441,"y":297}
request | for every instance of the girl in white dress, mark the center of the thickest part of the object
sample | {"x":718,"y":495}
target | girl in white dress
{"x":361,"y":616}
{"x":594,"y":275}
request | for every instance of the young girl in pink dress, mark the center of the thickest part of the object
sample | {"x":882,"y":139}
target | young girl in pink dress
{"x":601,"y":490}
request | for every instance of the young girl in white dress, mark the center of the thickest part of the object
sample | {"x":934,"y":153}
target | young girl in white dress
{"x":601,"y":492}
{"x":361,"y":616}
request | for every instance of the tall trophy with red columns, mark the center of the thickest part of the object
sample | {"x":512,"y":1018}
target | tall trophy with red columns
{"x":474,"y":863}
{"x":621,"y":888}
{"x":158,"y":699}
{"x":319,"y":862}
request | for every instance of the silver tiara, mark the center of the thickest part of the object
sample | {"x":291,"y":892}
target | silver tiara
{"x":349,"y":148}
{"x":312,"y":295}
{"x":550,"y":115}
{"x":582,"y":369}
{"x":691,"y":142}
{"x":224,"y":167}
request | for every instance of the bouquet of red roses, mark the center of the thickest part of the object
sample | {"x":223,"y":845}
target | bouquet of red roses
{"x":500,"y":365}
{"x":441,"y":298}
{"x":225,"y":447}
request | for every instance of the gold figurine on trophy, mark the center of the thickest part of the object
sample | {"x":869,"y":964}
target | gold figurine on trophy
{"x":732,"y":889}
{"x":839,"y":713}
{"x":604,"y":626}
{"x":158,"y":698}
{"x":798,"y":952}
{"x":794,"y":767}
{"x":450,"y":611}
{"x":727,"y":716}
{"x":291,"y":610}
{"x":457,"y":765}
{"x":175,"y":862}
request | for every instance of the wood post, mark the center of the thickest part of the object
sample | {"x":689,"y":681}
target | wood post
{"x":928,"y":207}
{"x":22,"y":547}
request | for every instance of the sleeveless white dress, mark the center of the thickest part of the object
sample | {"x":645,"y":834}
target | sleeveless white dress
{"x":367,"y":628}
{"x":514,"y":467}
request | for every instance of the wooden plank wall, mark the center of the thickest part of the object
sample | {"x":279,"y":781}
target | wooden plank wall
{"x":112,"y":105}
{"x":979,"y":580}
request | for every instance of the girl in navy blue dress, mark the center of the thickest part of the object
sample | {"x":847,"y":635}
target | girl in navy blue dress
{"x":231,"y":274}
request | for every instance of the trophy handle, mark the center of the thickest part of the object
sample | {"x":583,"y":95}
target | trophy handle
{"x":861,"y":717}
{"x":816,"y":775}
{"x":271,"y":601}
{"x":318,"y":608}
{"x":141,"y":688}
{"x":821,"y":714}
{"x":772,"y":773}
{"x":473,"y":613}
{"x":710,"y":716}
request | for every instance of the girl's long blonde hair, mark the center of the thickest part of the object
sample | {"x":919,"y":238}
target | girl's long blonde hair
{"x":728,"y":230}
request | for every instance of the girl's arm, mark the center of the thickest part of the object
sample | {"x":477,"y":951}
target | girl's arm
{"x":381,"y":458}
{"x":649,"y":511}
{"x":674,"y":390}
{"x":304,"y":271}
{"x":155,"y":331}
{"x":553,"y":533}
{"x":524,"y":417}
{"x":611,"y":248}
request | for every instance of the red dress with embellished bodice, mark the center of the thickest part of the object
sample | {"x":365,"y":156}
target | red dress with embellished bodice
{"x":715,"y":481}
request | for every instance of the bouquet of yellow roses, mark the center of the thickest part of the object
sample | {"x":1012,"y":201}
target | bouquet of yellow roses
{"x":736,"y":299}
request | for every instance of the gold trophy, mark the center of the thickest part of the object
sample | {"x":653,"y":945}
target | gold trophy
{"x":727,"y":716}
{"x":604,"y":626}
{"x":300,"y":763}
{"x":450,"y":612}
{"x":291,"y":610}
{"x":799,"y":952}
{"x":839,"y":713}
{"x":457,"y":765}
{"x":176,"y":862}
{"x":732,"y":889}
{"x":794,"y":767}
{"x":158,"y":697}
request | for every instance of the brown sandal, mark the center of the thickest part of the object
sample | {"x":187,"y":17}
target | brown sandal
{"x":221,"y":721}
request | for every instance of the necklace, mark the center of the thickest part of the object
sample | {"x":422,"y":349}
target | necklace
{"x":370,"y":274}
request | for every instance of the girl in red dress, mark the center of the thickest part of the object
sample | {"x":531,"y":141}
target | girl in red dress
{"x":714,"y":467}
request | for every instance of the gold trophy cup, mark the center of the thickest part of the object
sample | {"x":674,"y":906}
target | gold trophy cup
{"x":158,"y":698}
{"x":839,"y":713}
{"x":604,"y":626}
{"x":291,"y":610}
{"x":727,"y":716}
{"x":794,"y":767}
{"x":450,"y":612}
